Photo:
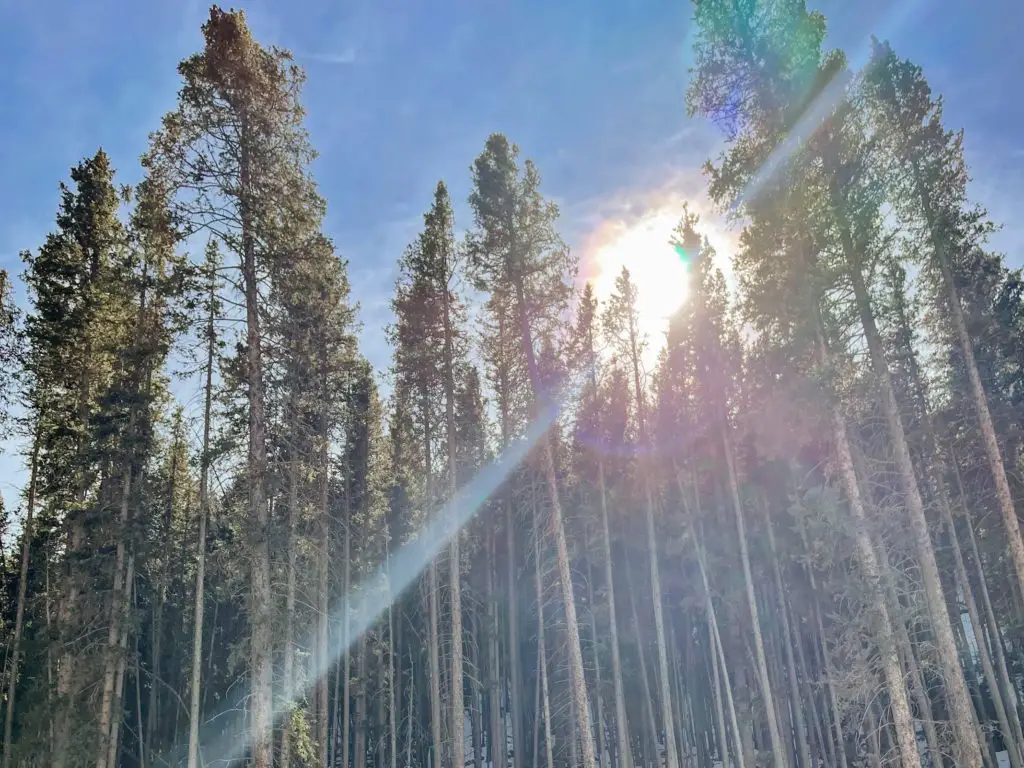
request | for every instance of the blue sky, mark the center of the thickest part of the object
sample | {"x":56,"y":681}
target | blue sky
{"x":401,"y":93}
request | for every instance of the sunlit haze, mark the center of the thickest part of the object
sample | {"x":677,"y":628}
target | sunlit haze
{"x":660,"y":272}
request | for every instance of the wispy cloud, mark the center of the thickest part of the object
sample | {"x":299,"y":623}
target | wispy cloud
{"x":347,"y":55}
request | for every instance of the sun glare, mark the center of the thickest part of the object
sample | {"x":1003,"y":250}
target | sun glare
{"x":659,"y":271}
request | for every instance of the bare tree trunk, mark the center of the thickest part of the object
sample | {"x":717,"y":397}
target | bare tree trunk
{"x":748,"y":579}
{"x":788,"y":640}
{"x":476,"y":713}
{"x":117,"y":618}
{"x":716,"y":685}
{"x":346,"y":672}
{"x":392,"y":694}
{"x":496,"y":740}
{"x":323,"y":639}
{"x":122,"y":661}
{"x":19,"y":616}
{"x":1002,"y":715}
{"x":968,"y":746}
{"x":204,"y":501}
{"x":360,"y":744}
{"x":599,"y":713}
{"x":433,"y":650}
{"x":577,"y":680}
{"x":719,"y":650}
{"x":458,"y":714}
{"x":652,"y":726}
{"x":665,"y":693}
{"x":541,"y":649}
{"x":836,"y":720}
{"x":988,"y":433}
{"x":288,"y":683}
{"x":515,"y":704}
{"x":625,"y":749}
{"x":868,"y":561}
{"x":1008,"y":687}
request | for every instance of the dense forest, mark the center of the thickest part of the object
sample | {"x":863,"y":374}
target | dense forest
{"x":791,"y":542}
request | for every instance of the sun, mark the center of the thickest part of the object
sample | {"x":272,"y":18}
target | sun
{"x":660,"y":272}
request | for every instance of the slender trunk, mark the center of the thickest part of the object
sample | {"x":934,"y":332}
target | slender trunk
{"x":496,"y":736}
{"x":19,"y":616}
{"x":621,"y":723}
{"x":822,"y":746}
{"x":625,"y":752}
{"x":788,"y":640}
{"x":156,"y":652}
{"x":577,"y":681}
{"x":748,"y":580}
{"x":995,"y":692}
{"x":836,"y":720}
{"x":392,"y":694}
{"x":515,"y":704}
{"x":652,"y":726}
{"x":720,"y":653}
{"x":541,"y":650}
{"x":716,"y":687}
{"x":968,"y":746}
{"x":434,"y":644}
{"x":599,"y":712}
{"x":138,"y":691}
{"x":476,"y":715}
{"x":260,"y":598}
{"x":883,"y":627}
{"x":360,"y":741}
{"x":204,"y":501}
{"x":117,"y":618}
{"x":323,"y":641}
{"x":988,"y":433}
{"x":411,"y":714}
{"x":346,"y":671}
{"x":117,"y":707}
{"x":665,"y":694}
{"x":455,"y":567}
{"x":288,"y":682}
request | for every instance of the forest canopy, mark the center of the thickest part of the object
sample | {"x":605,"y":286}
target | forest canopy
{"x":782,"y":533}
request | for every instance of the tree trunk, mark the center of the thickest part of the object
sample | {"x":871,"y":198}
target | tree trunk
{"x":455,"y":567}
{"x":968,"y":746}
{"x":995,"y":692}
{"x":868,"y":562}
{"x":652,"y":726}
{"x":260,"y":600}
{"x":117,"y":707}
{"x":323,"y":639}
{"x":496,"y":735}
{"x":361,"y":719}
{"x":433,"y":649}
{"x":19,"y":616}
{"x":716,"y":685}
{"x":577,"y":680}
{"x":719,"y":651}
{"x":625,"y":749}
{"x":599,"y":713}
{"x":515,"y":703}
{"x":346,"y":671}
{"x":117,"y":618}
{"x":788,"y":641}
{"x":988,"y":433}
{"x":204,"y":501}
{"x":748,"y":580}
{"x":541,"y":649}
{"x":671,"y":758}
{"x":288,"y":682}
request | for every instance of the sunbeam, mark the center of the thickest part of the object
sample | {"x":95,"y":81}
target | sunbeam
{"x":368,"y":601}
